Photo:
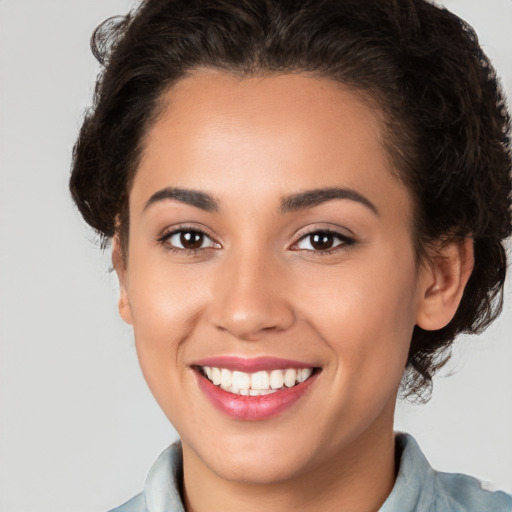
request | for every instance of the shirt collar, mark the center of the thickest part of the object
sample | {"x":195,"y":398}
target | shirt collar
{"x":413,"y":490}
{"x":162,"y":488}
{"x":414,"y":486}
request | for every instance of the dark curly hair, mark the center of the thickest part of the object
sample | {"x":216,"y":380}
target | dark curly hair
{"x":448,"y":129}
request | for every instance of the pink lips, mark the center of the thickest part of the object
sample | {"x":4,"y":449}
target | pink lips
{"x":252,"y":407}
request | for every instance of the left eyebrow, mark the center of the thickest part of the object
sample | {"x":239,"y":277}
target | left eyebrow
{"x":195,"y":198}
{"x":312,"y":198}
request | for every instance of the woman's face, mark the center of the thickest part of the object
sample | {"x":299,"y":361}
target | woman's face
{"x":270,"y":241}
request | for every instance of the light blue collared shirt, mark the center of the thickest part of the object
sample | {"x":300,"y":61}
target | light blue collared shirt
{"x":418,"y":488}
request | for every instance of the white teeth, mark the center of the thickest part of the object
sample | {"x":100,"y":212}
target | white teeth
{"x":290,"y":377}
{"x":276,"y":379}
{"x":216,"y":376}
{"x":241,"y":381}
{"x":260,"y":380}
{"x":225,"y":378}
{"x":261,"y":392}
{"x":304,"y":374}
{"x":258,"y":383}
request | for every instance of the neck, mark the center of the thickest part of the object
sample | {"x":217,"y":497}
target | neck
{"x":360,"y":477}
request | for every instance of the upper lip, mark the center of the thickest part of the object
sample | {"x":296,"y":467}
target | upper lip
{"x":251,"y":365}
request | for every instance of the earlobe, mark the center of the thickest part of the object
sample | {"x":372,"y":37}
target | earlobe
{"x":119,"y":264}
{"x":443,"y":282}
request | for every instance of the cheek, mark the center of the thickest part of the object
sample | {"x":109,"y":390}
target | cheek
{"x":163,"y":297}
{"x":165,"y":304}
{"x":365,"y":312}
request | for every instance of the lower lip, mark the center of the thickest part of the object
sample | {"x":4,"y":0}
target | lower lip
{"x":253,"y":407}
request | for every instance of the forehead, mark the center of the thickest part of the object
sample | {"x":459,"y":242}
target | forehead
{"x":224,"y":134}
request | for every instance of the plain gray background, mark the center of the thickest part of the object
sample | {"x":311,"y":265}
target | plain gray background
{"x":78,"y":429}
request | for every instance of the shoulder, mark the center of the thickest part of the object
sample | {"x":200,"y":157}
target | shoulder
{"x":420,"y":488}
{"x":161,"y":489}
{"x":467,"y":494}
{"x":136,"y":504}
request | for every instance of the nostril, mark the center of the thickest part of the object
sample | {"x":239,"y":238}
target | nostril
{"x":250,"y":302}
{"x":251,"y":325}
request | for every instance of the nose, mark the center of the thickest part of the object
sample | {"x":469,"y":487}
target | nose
{"x":250,"y":298}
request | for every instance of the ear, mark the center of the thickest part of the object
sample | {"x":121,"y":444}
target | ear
{"x":119,"y":264}
{"x":442,"y":284}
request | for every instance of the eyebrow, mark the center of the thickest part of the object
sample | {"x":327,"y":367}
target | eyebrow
{"x":311,"y":198}
{"x":192,"y":197}
{"x":295,"y":202}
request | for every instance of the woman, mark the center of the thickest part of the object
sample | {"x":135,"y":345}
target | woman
{"x":307,"y":202}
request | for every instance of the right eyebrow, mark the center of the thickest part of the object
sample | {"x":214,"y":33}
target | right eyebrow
{"x":184,"y":195}
{"x":315,"y":197}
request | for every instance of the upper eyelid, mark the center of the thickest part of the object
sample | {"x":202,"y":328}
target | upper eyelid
{"x":335,"y":234}
{"x":326,"y":226}
{"x":324,"y":230}
{"x":301,"y":234}
{"x":164,"y":240}
{"x":343,"y":233}
{"x":169,"y":231}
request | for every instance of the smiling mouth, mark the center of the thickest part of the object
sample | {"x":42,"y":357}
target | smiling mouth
{"x":258,"y":383}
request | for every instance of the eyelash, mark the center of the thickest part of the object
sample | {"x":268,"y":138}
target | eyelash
{"x":164,"y":241}
{"x":345,"y":241}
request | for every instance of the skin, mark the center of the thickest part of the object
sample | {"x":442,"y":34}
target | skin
{"x":257,"y":287}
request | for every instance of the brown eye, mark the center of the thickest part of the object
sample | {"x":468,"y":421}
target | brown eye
{"x":322,"y":241}
{"x":189,"y":239}
{"x":319,"y":241}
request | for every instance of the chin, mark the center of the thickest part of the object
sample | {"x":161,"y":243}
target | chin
{"x":256,"y":469}
{"x":256,"y":459}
